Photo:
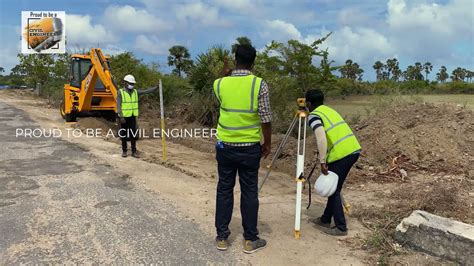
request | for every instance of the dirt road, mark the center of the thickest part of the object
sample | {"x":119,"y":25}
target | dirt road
{"x":74,"y":199}
{"x":61,"y":203}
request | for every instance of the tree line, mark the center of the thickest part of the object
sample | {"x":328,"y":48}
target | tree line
{"x":180,"y":58}
{"x":391,"y":71}
{"x":290,"y":68}
{"x":298,"y":57}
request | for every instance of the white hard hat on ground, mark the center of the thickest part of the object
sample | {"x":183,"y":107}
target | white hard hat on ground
{"x":129,"y":78}
{"x":326,"y":185}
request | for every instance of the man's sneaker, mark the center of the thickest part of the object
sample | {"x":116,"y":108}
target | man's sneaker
{"x":135,"y":155}
{"x":319,"y":222}
{"x":222,"y":244}
{"x":124,"y":154}
{"x":252,"y":246}
{"x":334,"y":231}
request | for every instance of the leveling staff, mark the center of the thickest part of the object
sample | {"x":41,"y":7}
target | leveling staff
{"x":338,"y":151}
{"x":244,"y":113}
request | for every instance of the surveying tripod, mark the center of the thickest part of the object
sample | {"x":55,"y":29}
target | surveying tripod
{"x":301,"y":116}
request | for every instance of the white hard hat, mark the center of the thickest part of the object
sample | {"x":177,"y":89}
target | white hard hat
{"x":326,"y":185}
{"x":129,"y":78}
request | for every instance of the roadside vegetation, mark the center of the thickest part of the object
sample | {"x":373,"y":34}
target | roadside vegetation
{"x":290,"y":69}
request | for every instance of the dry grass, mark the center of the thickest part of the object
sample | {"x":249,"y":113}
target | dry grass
{"x":442,"y":196}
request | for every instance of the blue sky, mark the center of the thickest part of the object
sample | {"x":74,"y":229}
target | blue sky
{"x":441,"y":32}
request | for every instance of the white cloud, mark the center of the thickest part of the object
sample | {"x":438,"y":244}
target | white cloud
{"x":410,"y":31}
{"x":279,"y":30}
{"x":352,"y":16}
{"x":127,"y":18}
{"x":153,"y":45}
{"x":111,"y":49}
{"x":363,"y":45}
{"x":201,"y":13}
{"x":430,"y":31}
{"x":236,"y":5}
{"x":80,"y":31}
{"x":448,"y":19}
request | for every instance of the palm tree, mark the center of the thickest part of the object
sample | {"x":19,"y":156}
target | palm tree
{"x":359,"y":72}
{"x":469,"y":76}
{"x":378,"y":66}
{"x":241,"y":40}
{"x":391,"y":65}
{"x":442,"y":74}
{"x":180,"y":58}
{"x":351,"y":70}
{"x":345,"y":69}
{"x":208,"y":67}
{"x":396,"y":73}
{"x":417,"y":71}
{"x":458,"y":74}
{"x":428,"y":68}
{"x":409,"y":73}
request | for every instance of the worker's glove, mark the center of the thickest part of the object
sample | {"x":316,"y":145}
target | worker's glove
{"x":121,"y":120}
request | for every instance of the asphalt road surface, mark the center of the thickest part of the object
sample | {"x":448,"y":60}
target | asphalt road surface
{"x":60,"y":204}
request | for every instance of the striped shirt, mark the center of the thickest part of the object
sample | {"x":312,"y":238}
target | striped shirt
{"x":314,"y":121}
{"x":264,"y":109}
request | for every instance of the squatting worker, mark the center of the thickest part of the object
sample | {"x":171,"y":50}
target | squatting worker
{"x":244,"y":114}
{"x":338,"y":150}
{"x":127,"y":111}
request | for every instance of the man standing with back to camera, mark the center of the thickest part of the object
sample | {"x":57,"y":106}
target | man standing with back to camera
{"x":244,"y":114}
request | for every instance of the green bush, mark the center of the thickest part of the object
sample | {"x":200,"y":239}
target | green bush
{"x":53,"y":90}
{"x":383,"y":87}
{"x":455,"y":87}
{"x":413,"y":86}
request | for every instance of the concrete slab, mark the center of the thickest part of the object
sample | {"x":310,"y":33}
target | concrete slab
{"x":437,"y":235}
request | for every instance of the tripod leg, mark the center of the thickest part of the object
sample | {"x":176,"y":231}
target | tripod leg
{"x":346,"y":206}
{"x":283,"y":142}
{"x":278,"y":151}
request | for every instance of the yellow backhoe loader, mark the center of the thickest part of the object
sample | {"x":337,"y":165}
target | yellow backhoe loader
{"x":91,"y":89}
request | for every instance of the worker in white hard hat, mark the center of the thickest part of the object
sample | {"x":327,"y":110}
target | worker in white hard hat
{"x":127,"y":111}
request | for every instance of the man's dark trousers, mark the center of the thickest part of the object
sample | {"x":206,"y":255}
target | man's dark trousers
{"x":129,"y":132}
{"x":334,"y":206}
{"x":245,"y":161}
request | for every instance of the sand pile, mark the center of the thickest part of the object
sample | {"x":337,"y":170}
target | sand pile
{"x":419,"y":136}
{"x":404,"y":138}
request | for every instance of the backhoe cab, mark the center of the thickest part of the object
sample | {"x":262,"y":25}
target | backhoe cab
{"x":91,"y":89}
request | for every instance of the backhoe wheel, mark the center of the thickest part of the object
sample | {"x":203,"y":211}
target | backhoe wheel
{"x":110,"y":116}
{"x":68,"y":117}
{"x":61,"y":110}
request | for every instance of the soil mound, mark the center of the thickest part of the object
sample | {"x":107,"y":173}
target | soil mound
{"x":401,"y":138}
{"x":419,"y":136}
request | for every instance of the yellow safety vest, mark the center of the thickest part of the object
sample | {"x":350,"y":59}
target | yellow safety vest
{"x":238,"y":97}
{"x":340,"y":138}
{"x":129,"y":103}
